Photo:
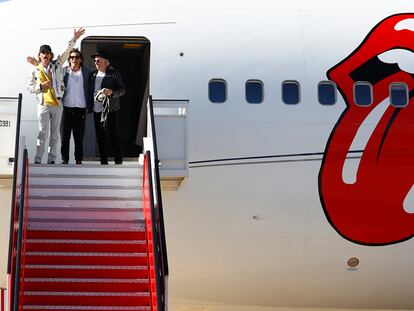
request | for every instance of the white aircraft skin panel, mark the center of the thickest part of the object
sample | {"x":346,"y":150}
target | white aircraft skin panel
{"x":301,"y":250}
{"x":243,"y":138}
{"x":221,"y":258}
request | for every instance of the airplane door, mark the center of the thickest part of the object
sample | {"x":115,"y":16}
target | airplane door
{"x":130,"y":56}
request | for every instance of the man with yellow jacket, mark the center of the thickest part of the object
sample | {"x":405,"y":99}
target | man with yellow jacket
{"x":46,"y":81}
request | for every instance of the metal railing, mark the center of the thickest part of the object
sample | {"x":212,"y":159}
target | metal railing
{"x":21,"y":222}
{"x":18,"y":232}
{"x":15,"y":182}
{"x":18,"y":219}
{"x":157,"y":230}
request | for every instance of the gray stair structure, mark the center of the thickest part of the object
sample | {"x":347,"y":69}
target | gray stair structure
{"x":86,"y":246}
{"x":85,"y":196}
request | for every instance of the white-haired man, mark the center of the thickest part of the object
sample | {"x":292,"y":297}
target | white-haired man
{"x":106,"y":81}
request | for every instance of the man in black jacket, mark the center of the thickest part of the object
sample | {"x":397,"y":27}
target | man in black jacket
{"x":106,"y":89}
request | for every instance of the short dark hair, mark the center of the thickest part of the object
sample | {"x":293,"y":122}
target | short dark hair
{"x":76,"y":50}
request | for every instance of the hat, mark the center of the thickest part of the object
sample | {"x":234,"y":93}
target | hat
{"x":45,"y":48}
{"x":99,"y":54}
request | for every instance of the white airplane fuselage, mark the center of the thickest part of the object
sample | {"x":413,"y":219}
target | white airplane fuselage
{"x":253,"y":226}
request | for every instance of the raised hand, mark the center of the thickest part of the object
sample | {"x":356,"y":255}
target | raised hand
{"x":32,"y":60}
{"x":78,"y":33}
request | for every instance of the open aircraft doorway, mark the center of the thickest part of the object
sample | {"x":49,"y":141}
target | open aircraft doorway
{"x":130,"y":56}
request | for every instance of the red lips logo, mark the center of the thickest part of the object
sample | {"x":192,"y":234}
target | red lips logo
{"x":370,"y":209}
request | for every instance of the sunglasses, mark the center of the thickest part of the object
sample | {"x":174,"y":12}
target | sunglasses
{"x":45,"y":52}
{"x":74,"y":57}
{"x":97,"y":60}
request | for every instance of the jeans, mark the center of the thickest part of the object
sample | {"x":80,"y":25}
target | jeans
{"x":49,"y":125}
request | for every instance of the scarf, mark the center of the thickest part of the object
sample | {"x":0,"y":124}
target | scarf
{"x":49,"y":97}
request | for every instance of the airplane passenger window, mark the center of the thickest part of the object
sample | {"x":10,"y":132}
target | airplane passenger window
{"x":398,"y":94}
{"x":217,"y":91}
{"x":327,"y":93}
{"x":291,"y":92}
{"x":363,"y":93}
{"x":254,"y":91}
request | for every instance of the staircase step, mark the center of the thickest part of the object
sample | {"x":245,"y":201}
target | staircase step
{"x":98,"y":170}
{"x":76,"y":191}
{"x":86,"y":271}
{"x":80,"y":284}
{"x":83,"y":223}
{"x":137,"y":208}
{"x":114,"y":234}
{"x":89,"y":201}
{"x":86,"y":258}
{"x":85,"y":308}
{"x":85,"y":213}
{"x":86,"y":180}
{"x":55,"y":245}
{"x":87,"y":298}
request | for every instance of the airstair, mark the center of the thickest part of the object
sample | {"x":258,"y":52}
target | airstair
{"x":85,"y":246}
{"x":88,"y":237}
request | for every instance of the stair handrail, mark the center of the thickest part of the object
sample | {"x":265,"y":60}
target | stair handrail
{"x":15,"y":179}
{"x":148,"y":211}
{"x":18,"y":161}
{"x":23,"y":206}
{"x":158,"y":190}
{"x":159,"y":240}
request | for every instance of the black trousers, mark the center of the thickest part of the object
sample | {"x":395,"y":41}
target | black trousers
{"x":112,"y":131}
{"x":73,"y":121}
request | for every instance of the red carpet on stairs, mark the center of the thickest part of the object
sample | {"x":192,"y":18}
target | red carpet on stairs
{"x":85,"y":246}
{"x":86,"y":270}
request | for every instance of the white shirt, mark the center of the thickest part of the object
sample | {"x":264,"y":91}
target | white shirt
{"x":75,"y":94}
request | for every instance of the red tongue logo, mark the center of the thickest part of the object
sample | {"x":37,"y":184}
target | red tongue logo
{"x":371,"y":210}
